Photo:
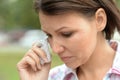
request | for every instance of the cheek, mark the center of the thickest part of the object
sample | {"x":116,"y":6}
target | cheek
{"x":82,"y":48}
{"x":85,"y":43}
{"x":88,"y":44}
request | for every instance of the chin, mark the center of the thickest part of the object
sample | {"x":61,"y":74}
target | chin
{"x":72,"y":66}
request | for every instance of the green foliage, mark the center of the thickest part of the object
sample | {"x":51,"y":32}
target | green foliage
{"x":118,"y":2}
{"x":8,"y":61}
{"x":18,"y":14}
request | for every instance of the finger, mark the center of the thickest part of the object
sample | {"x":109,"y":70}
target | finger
{"x":40,"y":53}
{"x":37,"y":43}
{"x":36,"y":58}
{"x":27,"y":62}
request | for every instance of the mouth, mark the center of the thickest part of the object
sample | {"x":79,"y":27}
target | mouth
{"x":66,"y":59}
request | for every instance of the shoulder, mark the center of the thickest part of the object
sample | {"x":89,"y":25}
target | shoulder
{"x":118,"y":48}
{"x":116,"y":63}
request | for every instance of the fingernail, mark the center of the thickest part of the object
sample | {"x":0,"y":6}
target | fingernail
{"x":45,"y":59}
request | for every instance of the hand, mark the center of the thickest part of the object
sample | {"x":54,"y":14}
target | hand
{"x":30,"y":68}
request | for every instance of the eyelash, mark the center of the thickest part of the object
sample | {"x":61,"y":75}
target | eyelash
{"x":67,"y":34}
{"x":64,"y":34}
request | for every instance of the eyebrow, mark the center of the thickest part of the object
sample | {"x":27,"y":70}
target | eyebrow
{"x":57,"y":30}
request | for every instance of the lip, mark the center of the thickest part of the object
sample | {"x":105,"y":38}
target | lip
{"x":66,"y":58}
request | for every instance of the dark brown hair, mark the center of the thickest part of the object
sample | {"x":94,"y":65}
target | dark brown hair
{"x":86,"y":7}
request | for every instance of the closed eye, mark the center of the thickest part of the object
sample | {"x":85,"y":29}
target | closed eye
{"x":67,"y":34}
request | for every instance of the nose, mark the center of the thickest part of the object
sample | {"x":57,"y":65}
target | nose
{"x":57,"y":47}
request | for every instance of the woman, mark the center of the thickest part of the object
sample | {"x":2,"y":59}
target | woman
{"x":79,"y":32}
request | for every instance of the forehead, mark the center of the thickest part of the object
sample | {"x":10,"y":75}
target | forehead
{"x":43,"y":16}
{"x":63,"y":19}
{"x":58,"y":19}
{"x":53,"y":23}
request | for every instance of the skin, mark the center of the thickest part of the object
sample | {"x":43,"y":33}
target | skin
{"x":78,"y":41}
{"x":77,"y":48}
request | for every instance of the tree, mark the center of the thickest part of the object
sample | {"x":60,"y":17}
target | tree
{"x":18,"y":14}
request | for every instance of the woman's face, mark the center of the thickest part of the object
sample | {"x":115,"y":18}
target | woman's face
{"x":72,"y":36}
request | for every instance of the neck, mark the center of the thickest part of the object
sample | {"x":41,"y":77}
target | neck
{"x":100,"y":62}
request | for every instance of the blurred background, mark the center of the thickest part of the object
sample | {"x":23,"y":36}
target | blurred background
{"x":19,"y":28}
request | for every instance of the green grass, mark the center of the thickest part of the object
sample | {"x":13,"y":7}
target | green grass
{"x":8,"y":61}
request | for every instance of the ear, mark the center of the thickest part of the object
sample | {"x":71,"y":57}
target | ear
{"x":101,"y":19}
